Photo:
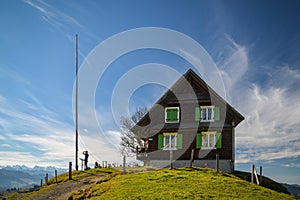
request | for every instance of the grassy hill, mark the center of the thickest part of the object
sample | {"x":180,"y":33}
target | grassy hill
{"x":266,"y":182}
{"x":185,"y":183}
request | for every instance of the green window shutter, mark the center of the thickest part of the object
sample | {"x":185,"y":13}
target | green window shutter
{"x":172,"y":115}
{"x":198,"y":140}
{"x":175,"y":114}
{"x":218,"y":140}
{"x":197,"y":114}
{"x":216,"y":113}
{"x":179,"y":141}
{"x":200,"y":113}
{"x":160,"y":141}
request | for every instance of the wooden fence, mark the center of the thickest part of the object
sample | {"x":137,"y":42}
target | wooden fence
{"x":254,"y":175}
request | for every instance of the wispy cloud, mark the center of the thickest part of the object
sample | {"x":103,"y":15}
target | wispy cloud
{"x":8,"y":73}
{"x":15,"y":157}
{"x":34,"y":134}
{"x":52,"y":15}
{"x":271,"y":127}
{"x":291,"y":165}
{"x":59,"y":20}
{"x":234,"y":66}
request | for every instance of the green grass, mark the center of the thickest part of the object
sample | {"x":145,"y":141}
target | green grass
{"x":178,"y":184}
{"x":63,"y":178}
{"x":78,"y":175}
{"x":184,"y":183}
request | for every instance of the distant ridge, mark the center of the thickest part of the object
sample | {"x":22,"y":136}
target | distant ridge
{"x":22,"y":176}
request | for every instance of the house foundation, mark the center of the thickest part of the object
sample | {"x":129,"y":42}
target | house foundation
{"x":225,"y":165}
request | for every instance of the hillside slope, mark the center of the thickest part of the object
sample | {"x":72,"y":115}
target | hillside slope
{"x":186,"y":183}
{"x":266,"y":182}
{"x":178,"y":184}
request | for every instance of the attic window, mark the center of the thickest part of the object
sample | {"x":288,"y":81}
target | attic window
{"x":207,"y":113}
{"x":172,"y":114}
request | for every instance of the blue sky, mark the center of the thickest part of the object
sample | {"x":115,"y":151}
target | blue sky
{"x":254,"y":44}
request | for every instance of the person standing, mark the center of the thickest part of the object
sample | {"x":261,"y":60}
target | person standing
{"x":86,"y":157}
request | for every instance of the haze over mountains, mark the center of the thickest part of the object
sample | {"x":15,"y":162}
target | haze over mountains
{"x":21,"y":176}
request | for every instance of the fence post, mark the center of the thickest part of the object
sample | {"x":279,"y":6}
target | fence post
{"x":55,"y":175}
{"x":192,"y":158}
{"x":70,"y":170}
{"x":217,"y":163}
{"x":41,"y":182}
{"x":46,"y":179}
{"x":256,"y":177}
{"x":124,"y":164}
{"x":171,"y":159}
{"x":252,"y":173}
{"x":260,"y":175}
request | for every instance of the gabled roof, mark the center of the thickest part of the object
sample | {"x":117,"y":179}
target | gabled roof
{"x":195,"y":81}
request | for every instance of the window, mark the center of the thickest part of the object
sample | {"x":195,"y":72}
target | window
{"x":208,"y":140}
{"x":207,"y":113}
{"x":172,"y":114}
{"x":169,"y":141}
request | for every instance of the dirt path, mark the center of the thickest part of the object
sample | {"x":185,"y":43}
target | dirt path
{"x":63,"y":191}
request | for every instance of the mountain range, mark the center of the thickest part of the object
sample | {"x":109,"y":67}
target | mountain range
{"x":21,"y":176}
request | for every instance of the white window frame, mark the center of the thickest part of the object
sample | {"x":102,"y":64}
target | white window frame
{"x":210,"y":134}
{"x":175,"y":140}
{"x":212,"y":113}
{"x":166,"y":108}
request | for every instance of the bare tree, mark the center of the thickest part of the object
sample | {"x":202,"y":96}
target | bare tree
{"x":130,"y":141}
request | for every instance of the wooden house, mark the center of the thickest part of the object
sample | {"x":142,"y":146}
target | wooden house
{"x":190,"y":121}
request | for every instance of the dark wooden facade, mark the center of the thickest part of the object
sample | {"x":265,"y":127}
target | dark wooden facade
{"x":189,"y":93}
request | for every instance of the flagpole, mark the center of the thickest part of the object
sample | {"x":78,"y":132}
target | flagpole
{"x":76,"y":120}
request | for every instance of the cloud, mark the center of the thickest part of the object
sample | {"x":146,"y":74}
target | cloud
{"x":102,"y":147}
{"x":234,"y":66}
{"x":52,"y":15}
{"x":291,"y":165}
{"x":271,"y":124}
{"x":59,"y":20}
{"x":8,"y":74}
{"x":35,"y":132}
{"x":15,"y":157}
{"x":101,"y":138}
{"x":271,"y":127}
{"x":38,"y":137}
